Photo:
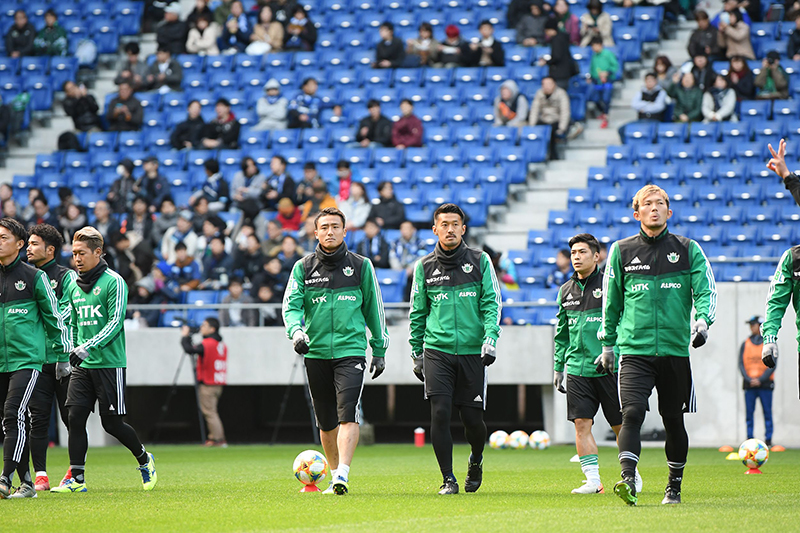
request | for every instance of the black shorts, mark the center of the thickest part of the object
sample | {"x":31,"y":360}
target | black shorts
{"x":585,"y":395}
{"x":335,"y":386}
{"x":105,"y":386}
{"x":461,"y":377}
{"x":671,"y":376}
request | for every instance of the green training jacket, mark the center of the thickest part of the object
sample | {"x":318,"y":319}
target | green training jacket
{"x":336,"y":296}
{"x":580,"y":309}
{"x":58,"y":275}
{"x":455,"y":302}
{"x":32,"y":321}
{"x":785,"y":286}
{"x":649,"y":286}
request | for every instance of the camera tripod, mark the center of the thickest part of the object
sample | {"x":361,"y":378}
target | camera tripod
{"x":298,"y":361}
{"x":173,"y":389}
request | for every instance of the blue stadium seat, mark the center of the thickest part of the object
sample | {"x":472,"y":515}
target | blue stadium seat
{"x":51,"y":180}
{"x":458,"y":177}
{"x":693,"y":215}
{"x":436,"y":197}
{"x":583,"y":198}
{"x":632,"y":175}
{"x":494,"y":184}
{"x":321,"y":156}
{"x":756,"y":110}
{"x":704,"y":132}
{"x":610,"y":196}
{"x":682,"y":153}
{"x":666,"y":176}
{"x":737,"y":131}
{"x":683,"y":196}
{"x":40,"y":90}
{"x":447,"y":156}
{"x":647,"y":154}
{"x":103,"y":140}
{"x":357,"y":156}
{"x":730,"y":172}
{"x":557,"y":218}
{"x":539,"y":237}
{"x":502,"y":135}
{"x":694,"y":174}
{"x":618,"y":155}
{"x":105,"y":35}
{"x":768,"y":131}
{"x":474,"y":206}
{"x":601,"y":175}
{"x":83,"y":181}
{"x":763,"y":214}
{"x":104,"y":160}
{"x":640,"y":132}
{"x":9,"y":65}
{"x":76,"y":161}
{"x":34,"y":65}
{"x":400,"y":177}
{"x":747,"y":195}
{"x":418,"y":157}
{"x":62,"y":69}
{"x":316,"y":138}
{"x":668,"y":133}
{"x":748,"y":151}
{"x":131,"y":140}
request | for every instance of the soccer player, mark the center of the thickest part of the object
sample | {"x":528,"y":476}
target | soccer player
{"x":32,"y":324}
{"x":784,"y":287}
{"x":455,"y":314}
{"x":576,"y":347}
{"x":777,"y":164}
{"x":335,"y":292}
{"x":98,"y":298}
{"x":650,"y":283}
{"x":44,"y":242}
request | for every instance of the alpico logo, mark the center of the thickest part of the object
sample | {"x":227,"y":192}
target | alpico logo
{"x":96,"y":291}
{"x":18,"y":311}
{"x":348,"y":271}
{"x":673,"y":257}
{"x":20,"y":285}
{"x":467,"y":294}
{"x":467,"y":268}
{"x":597,"y":293}
{"x":346,"y":297}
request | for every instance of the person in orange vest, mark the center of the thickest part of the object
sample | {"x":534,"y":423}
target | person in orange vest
{"x":758,"y":379}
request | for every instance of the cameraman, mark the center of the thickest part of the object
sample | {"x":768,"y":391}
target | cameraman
{"x":212,"y":366}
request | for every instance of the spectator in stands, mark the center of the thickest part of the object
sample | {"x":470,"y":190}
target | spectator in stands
{"x":516,"y":10}
{"x":389,"y":52}
{"x":424,"y":46}
{"x":124,"y":259}
{"x":200,"y":213}
{"x":562,"y":65}
{"x":375,"y":129}
{"x":289,"y":215}
{"x":222,"y":12}
{"x":104,"y":221}
{"x":272,"y":107}
{"x":596,"y":23}
{"x":568,"y":22}
{"x":249,"y":259}
{"x":185,"y":269}
{"x":212,"y":225}
{"x":530,"y":25}
{"x":165,"y":73}
{"x":651,"y":101}
{"x":238,"y":14}
{"x":71,"y":221}
{"x":719,"y":102}
{"x":52,"y":39}
{"x":345,"y":175}
{"x":268,"y":315}
{"x":234,"y":39}
{"x":288,"y":255}
{"x":223,"y":131}
{"x":730,"y":6}
{"x":235,"y":317}
{"x":152,"y":185}
{"x":703,"y":73}
{"x":793,"y":45}
{"x":138,"y":225}
{"x":274,"y":237}
{"x":734,"y":37}
{"x":603,"y":71}
{"x":27,"y":209}
{"x":183,"y":232}
{"x":510,"y":106}
{"x":741,"y":79}
{"x":167,"y":218}
{"x":145,"y":294}
{"x":373,"y":246}
{"x":132,"y":70}
{"x":267,"y":34}
{"x":20,"y":37}
{"x":305,"y":189}
{"x":664,"y":71}
{"x":81,"y":107}
{"x":304,"y":108}
{"x":217,"y":266}
{"x":171,"y":32}
{"x":405,"y":251}
{"x":11,"y":210}
{"x":772,"y":82}
{"x":562,"y":271}
{"x":186,"y":134}
{"x":215,"y":189}
{"x":704,"y":38}
{"x":321,"y":199}
{"x":453,"y":51}
{"x":200,"y":9}
{"x":301,"y":34}
{"x":488,"y":52}
{"x":551,"y":106}
{"x":42,"y":214}
{"x":202,"y":38}
{"x":279,"y":184}
{"x":306,"y":239}
{"x":357,"y":207}
{"x":246,"y":188}
{"x":687,"y":97}
{"x":407,"y":131}
{"x":122,"y":192}
{"x":125,"y":111}
{"x":389,"y":213}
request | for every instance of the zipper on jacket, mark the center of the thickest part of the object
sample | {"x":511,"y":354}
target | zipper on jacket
{"x":581,"y":314}
{"x":4,"y":297}
{"x":455,"y":315}
{"x":330,"y":292}
{"x":656,"y":291}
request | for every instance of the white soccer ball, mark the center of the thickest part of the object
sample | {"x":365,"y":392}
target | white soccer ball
{"x":310,"y":467}
{"x":539,"y":440}
{"x":498,"y":439}
{"x":753,"y":453}
{"x":518,"y":440}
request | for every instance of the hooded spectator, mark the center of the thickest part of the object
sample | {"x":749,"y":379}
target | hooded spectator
{"x":272,"y":108}
{"x":510,"y":107}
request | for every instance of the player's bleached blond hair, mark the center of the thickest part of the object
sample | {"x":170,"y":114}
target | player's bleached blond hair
{"x":646,"y":191}
{"x":89,"y":235}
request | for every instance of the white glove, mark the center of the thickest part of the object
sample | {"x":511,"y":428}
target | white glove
{"x":699,"y":333}
{"x":769,"y":354}
{"x":300,"y":340}
{"x":488,"y":354}
{"x":605,"y":361}
{"x":63,"y":370}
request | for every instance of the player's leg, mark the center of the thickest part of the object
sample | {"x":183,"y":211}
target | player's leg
{"x":470,"y":397}
{"x":21,"y":385}
{"x":607,"y":390}
{"x":440,"y":370}
{"x":80,"y":402}
{"x":766,"y":405}
{"x":582,"y":405}
{"x":675,"y":397}
{"x":348,"y":380}
{"x":41,"y":406}
{"x":319,"y":374}
{"x":750,"y":396}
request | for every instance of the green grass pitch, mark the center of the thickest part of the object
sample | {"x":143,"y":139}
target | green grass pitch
{"x":393,"y":488}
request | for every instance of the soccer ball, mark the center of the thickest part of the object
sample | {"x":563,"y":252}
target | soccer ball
{"x":518,"y":440}
{"x":498,"y":439}
{"x":753,"y":453}
{"x":310,"y":467}
{"x":539,"y":440}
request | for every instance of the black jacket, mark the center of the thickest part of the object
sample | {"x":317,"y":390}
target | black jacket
{"x":83,"y":111}
{"x":188,"y":130}
{"x":516,"y":9}
{"x":793,"y":46}
{"x":20,"y":40}
{"x":173,"y":76}
{"x":746,"y":86}
{"x":561,"y":62}
{"x":55,"y":273}
{"x":380,"y":131}
{"x":394,"y":52}
{"x":173,"y":35}
{"x":704,"y":78}
{"x":120,"y":123}
{"x":701,"y":39}
{"x":376,"y":250}
{"x":228,"y":132}
{"x":391,"y":211}
{"x":123,"y":194}
{"x":792,"y":184}
{"x":473,"y":57}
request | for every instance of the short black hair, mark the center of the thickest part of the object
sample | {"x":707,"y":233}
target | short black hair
{"x":329,"y":211}
{"x":167,"y":198}
{"x":388,"y":25}
{"x":596,"y":40}
{"x":548,"y":77}
{"x":485,"y":22}
{"x":650,"y":75}
{"x":51,"y":12}
{"x":41,"y":198}
{"x":407,"y":100}
{"x":212,"y":165}
{"x":235,"y":279}
{"x":343,"y":163}
{"x":50,"y":235}
{"x":195,"y":101}
{"x":588,"y":238}
{"x":373,"y":103}
{"x":448,"y":208}
{"x":132,"y":48}
{"x":164,"y":48}
{"x":281,"y":159}
{"x":180,"y":246}
{"x":16,"y":229}
{"x":564,"y":252}
{"x":310,"y":165}
{"x":212,"y":322}
{"x":382,"y":185}
{"x":223,"y":101}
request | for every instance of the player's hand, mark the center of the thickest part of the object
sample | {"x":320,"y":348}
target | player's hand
{"x":378,"y":366}
{"x":63,"y":370}
{"x":778,"y":162}
{"x":78,"y":356}
{"x":699,"y":333}
{"x":769,"y":354}
{"x":488,"y":354}
{"x":558,"y":382}
{"x":605,"y":361}
{"x":418,"y":368}
{"x":300,"y":340}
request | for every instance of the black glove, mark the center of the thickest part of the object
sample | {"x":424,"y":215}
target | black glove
{"x":488,"y":354}
{"x":377,"y":367}
{"x":78,"y":356}
{"x":418,"y":368}
{"x":699,"y":333}
{"x":300,"y":340}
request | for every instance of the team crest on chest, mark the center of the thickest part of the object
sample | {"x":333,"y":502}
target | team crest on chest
{"x":96,"y":291}
{"x":53,"y":284}
{"x":467,"y":268}
{"x":20,"y":285}
{"x":597,"y":293}
{"x":673,"y":257}
{"x":348,"y":271}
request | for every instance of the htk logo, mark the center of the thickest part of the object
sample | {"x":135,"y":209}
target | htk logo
{"x":89,"y":311}
{"x":440,"y":296}
{"x":319,"y":299}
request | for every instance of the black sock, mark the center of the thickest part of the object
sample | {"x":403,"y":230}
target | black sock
{"x":78,"y":473}
{"x":475,"y":431}
{"x":124,"y":433}
{"x":630,"y":440}
{"x":78,"y":440}
{"x":441,"y":438}
{"x":143,"y":457}
{"x":676,"y":449}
